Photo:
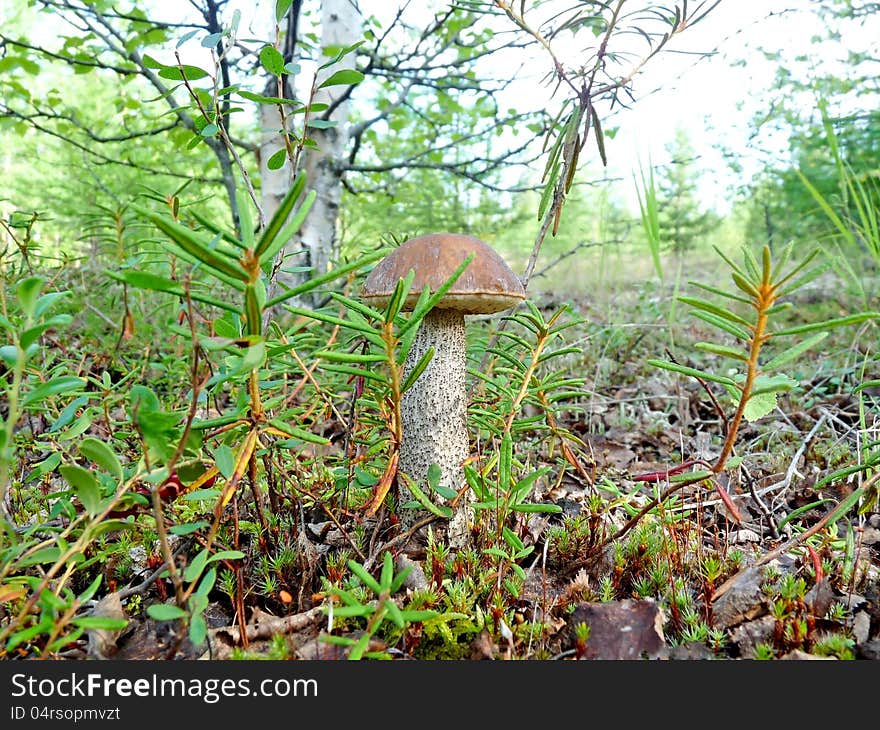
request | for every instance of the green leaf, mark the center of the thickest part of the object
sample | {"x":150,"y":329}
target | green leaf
{"x":439,"y":510}
{"x":179,"y":73}
{"x":226,"y":555}
{"x":828,"y":324}
{"x":299,"y":433}
{"x":340,"y":54}
{"x":277,"y":160}
{"x":154,"y":282}
{"x":104,"y":623}
{"x":693,"y":372}
{"x":206,"y":584}
{"x":196,"y":247}
{"x":394,"y":614}
{"x":272,"y":60}
{"x":188,"y":529}
{"x":773,"y":383}
{"x":792,"y":352}
{"x":198,"y":630}
{"x":707,"y":306}
{"x":759,"y":405}
{"x":722,"y":350}
{"x":722,"y":324}
{"x":280,"y":216}
{"x":92,"y":589}
{"x":536,"y":507}
{"x":55,"y":386}
{"x":261,"y":99}
{"x":387,"y":574}
{"x":85,"y":485}
{"x":322,"y":279}
{"x":424,"y":306}
{"x":350,"y":357}
{"x":321,"y":123}
{"x":224,"y":458}
{"x":290,"y":229}
{"x":165,"y":612}
{"x":343,"y":77}
{"x":195,"y":568}
{"x":281,"y":8}
{"x":365,"y":578}
{"x":40,"y":557}
{"x":28,"y":292}
{"x":419,"y":368}
{"x":100,"y":453}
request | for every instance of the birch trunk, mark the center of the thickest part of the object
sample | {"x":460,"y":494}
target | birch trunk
{"x":341,"y":26}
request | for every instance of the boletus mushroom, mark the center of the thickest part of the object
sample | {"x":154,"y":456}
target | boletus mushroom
{"x":434,"y":408}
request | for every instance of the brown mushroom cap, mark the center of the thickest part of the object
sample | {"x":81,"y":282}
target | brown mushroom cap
{"x":487,"y":285}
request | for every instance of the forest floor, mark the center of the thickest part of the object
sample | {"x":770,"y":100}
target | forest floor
{"x":778,"y":558}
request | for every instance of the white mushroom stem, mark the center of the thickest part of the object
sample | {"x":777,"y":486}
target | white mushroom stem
{"x":434,"y":416}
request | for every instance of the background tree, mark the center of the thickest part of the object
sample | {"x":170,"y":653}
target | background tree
{"x":683,"y":222}
{"x":821,"y":112}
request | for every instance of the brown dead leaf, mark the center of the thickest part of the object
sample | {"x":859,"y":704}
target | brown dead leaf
{"x":102,"y":642}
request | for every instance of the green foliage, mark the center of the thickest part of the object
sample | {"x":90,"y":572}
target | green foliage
{"x":381,"y":609}
{"x":749,"y":378}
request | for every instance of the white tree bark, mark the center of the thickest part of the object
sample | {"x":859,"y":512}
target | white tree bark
{"x":341,"y":26}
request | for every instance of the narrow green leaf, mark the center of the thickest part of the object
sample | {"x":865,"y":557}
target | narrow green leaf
{"x":365,"y":578}
{"x":226,"y":555}
{"x":439,"y":510}
{"x":693,"y":372}
{"x":299,"y":433}
{"x":55,"y":386}
{"x":419,"y":368}
{"x":154,"y":282}
{"x":793,"y":352}
{"x":430,"y":302}
{"x":707,"y":306}
{"x":194,"y":244}
{"x":356,"y":372}
{"x":322,"y":279}
{"x":289,"y":230}
{"x":722,"y":350}
{"x":539,"y":507}
{"x":722,"y":324}
{"x":745,"y":285}
{"x":104,"y":623}
{"x":505,"y":458}
{"x":828,"y":324}
{"x":279,"y":217}
{"x":350,"y":357}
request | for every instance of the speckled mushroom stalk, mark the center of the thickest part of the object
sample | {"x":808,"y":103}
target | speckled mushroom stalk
{"x":433,"y":412}
{"x":434,"y":408}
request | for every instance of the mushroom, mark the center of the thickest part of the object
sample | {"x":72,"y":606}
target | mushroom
{"x":434,"y":409}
